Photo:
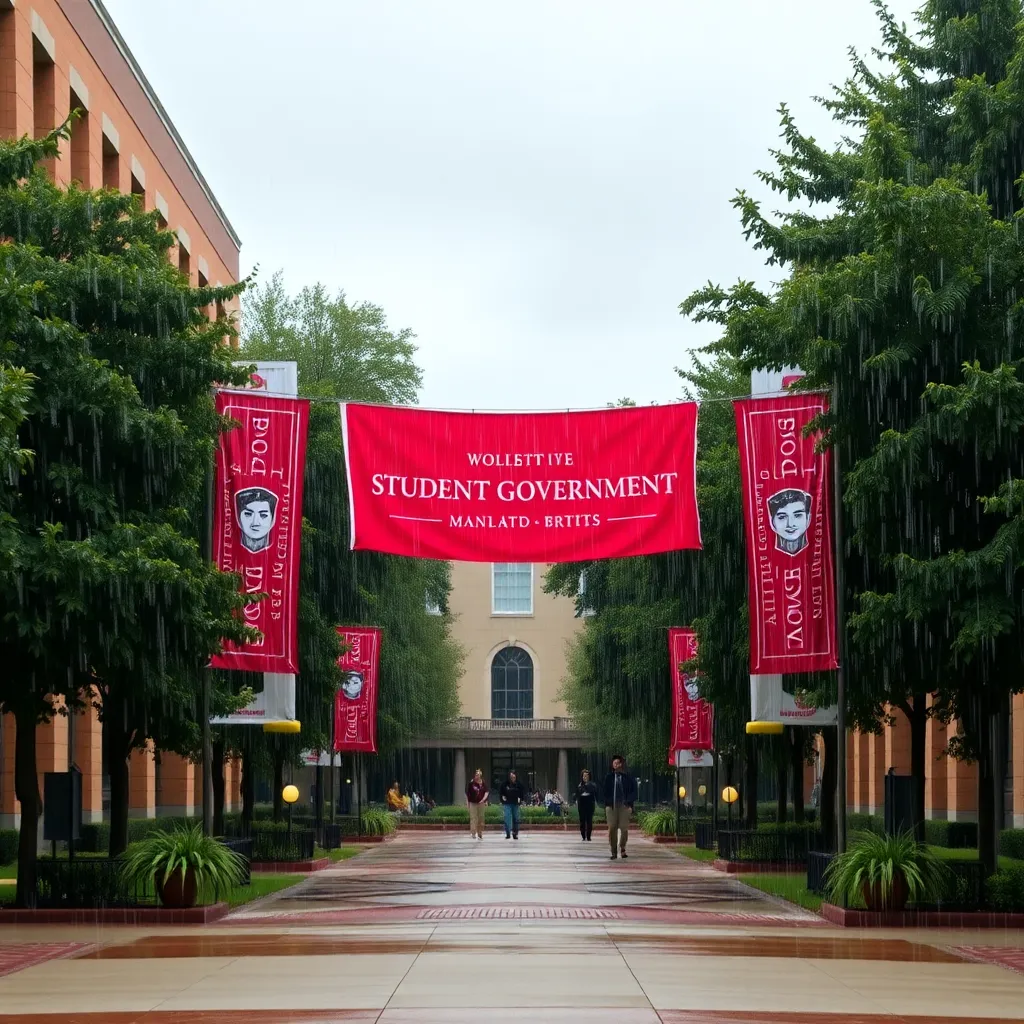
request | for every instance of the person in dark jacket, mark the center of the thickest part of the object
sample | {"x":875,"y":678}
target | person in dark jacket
{"x":512,"y":796}
{"x":619,"y":798}
{"x":586,"y":801}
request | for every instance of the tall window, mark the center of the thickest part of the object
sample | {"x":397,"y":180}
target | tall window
{"x":512,"y":588}
{"x":512,"y":684}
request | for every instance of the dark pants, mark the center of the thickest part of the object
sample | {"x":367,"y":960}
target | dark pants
{"x":586,"y":809}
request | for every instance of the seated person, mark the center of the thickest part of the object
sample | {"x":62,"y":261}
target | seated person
{"x":395,"y":801}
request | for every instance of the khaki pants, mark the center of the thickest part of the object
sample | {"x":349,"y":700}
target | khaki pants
{"x":476,"y":819}
{"x":618,"y":827}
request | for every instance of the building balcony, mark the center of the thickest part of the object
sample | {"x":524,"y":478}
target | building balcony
{"x":529,"y":733}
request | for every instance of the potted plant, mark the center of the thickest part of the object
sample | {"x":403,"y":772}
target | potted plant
{"x":182,"y":863}
{"x":885,"y":872}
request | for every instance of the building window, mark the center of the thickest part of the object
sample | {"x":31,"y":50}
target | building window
{"x":586,"y":611}
{"x":80,"y":141}
{"x":43,"y":83}
{"x":433,"y":607}
{"x":512,"y":588}
{"x":111,"y":165}
{"x":518,"y":761}
{"x":512,"y":684}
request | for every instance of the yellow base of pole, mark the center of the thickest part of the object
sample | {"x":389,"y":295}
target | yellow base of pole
{"x":758,"y":728}
{"x":288,"y":727}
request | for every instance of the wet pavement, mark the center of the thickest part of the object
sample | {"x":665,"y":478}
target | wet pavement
{"x":441,"y":927}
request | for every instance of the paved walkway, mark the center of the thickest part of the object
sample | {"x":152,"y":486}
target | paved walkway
{"x":439,"y":927}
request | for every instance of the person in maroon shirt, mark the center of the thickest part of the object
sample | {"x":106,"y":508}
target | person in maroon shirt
{"x":476,"y":795}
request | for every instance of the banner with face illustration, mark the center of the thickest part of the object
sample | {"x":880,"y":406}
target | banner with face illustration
{"x":787,"y":506}
{"x":257,"y":522}
{"x":692,"y":716}
{"x":355,"y":705}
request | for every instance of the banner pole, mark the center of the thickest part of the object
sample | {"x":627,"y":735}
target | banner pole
{"x":332,"y":778}
{"x":359,"y":792}
{"x":837,"y":516}
{"x":207,"y":738}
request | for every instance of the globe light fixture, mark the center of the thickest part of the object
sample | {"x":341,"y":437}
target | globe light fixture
{"x":290,"y":794}
{"x":702,"y":789}
{"x":730,"y":794}
{"x":682,"y":792}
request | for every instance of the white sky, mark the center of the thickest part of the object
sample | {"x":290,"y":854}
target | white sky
{"x":531,"y":187}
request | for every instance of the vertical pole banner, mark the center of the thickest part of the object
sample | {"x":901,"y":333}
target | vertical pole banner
{"x":692,"y":716}
{"x":257,"y":522}
{"x":787,"y":508}
{"x":355,"y":704}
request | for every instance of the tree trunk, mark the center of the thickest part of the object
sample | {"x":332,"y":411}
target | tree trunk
{"x":829,"y":778}
{"x":782,"y":784}
{"x":750,"y":784}
{"x":248,"y":792}
{"x":918,"y":730}
{"x":278,"y":785}
{"x":217,"y":761}
{"x":796,"y":765}
{"x":26,"y":789}
{"x":117,"y":746}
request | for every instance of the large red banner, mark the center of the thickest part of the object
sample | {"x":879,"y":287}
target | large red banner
{"x":787,"y":505}
{"x":257,"y":522}
{"x":522,"y":487}
{"x":355,"y":705}
{"x":692,"y":716}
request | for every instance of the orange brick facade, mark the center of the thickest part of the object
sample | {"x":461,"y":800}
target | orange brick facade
{"x":56,"y":56}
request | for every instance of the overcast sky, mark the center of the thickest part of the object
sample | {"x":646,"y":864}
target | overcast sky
{"x":531,"y":187}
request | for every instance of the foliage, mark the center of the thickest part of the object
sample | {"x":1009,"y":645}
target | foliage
{"x":379,"y":823}
{"x":1011,"y":843}
{"x":877,"y":860}
{"x":182,"y":850}
{"x":8,"y":845}
{"x":787,"y":887}
{"x":903,"y":260}
{"x":1004,"y":891}
{"x":953,"y":834}
{"x":660,"y":822}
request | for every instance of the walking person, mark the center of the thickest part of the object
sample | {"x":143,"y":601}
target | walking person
{"x":586,"y":801}
{"x":512,"y":796}
{"x":476,"y":795}
{"x":619,"y":798}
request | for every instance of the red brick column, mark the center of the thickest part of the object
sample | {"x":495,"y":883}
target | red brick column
{"x":10,"y":809}
{"x":177,"y":786}
{"x":142,"y":783}
{"x":89,"y":759}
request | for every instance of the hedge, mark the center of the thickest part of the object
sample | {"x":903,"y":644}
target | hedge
{"x":956,"y":835}
{"x":857,"y":822}
{"x":1011,"y":843}
{"x":1004,"y":890}
{"x":95,"y":836}
{"x":8,"y":845}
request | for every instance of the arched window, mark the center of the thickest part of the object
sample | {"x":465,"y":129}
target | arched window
{"x":512,"y":684}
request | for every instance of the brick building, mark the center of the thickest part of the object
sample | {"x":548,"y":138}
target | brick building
{"x":57,"y":56}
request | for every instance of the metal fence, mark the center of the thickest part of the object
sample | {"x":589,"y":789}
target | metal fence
{"x":243,"y":847}
{"x":768,"y":846}
{"x":817,"y":866}
{"x":280,"y":845}
{"x":86,"y":883}
{"x":704,"y":837}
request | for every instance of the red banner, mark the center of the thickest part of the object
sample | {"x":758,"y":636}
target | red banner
{"x":257,"y":522}
{"x":692,"y":716}
{"x":787,"y":506}
{"x":355,"y":704}
{"x":530,"y":487}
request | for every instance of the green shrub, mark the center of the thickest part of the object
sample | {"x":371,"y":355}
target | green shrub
{"x":955,"y":835}
{"x":1004,"y":890}
{"x":857,"y":822}
{"x":789,"y":828}
{"x":8,"y":845}
{"x":1011,"y":843}
{"x":95,"y":836}
{"x":661,"y":822}
{"x":379,"y":823}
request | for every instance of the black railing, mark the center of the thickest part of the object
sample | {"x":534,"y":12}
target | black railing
{"x":965,"y":889}
{"x":817,"y":866}
{"x":768,"y":846}
{"x":704,"y":835}
{"x":277,"y":845}
{"x":86,"y":883}
{"x":243,"y":847}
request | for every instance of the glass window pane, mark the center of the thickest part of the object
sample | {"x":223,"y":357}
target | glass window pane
{"x":512,"y":684}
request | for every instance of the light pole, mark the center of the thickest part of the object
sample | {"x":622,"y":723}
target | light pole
{"x":730,"y":796}
{"x":289,"y":795}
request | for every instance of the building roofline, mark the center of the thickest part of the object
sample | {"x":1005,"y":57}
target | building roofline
{"x":150,"y":92}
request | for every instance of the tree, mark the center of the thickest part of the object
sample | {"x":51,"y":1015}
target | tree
{"x":106,"y":592}
{"x":902,"y":294}
{"x":349,"y":353}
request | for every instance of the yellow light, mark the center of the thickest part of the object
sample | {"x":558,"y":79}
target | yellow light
{"x":702,"y":790}
{"x":764,"y":728}
{"x":348,"y":782}
{"x":682,"y":792}
{"x":290,"y":726}
{"x":290,"y":794}
{"x":730,"y":795}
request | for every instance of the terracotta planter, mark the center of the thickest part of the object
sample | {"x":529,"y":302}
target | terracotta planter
{"x":179,"y":892}
{"x":872,"y":894}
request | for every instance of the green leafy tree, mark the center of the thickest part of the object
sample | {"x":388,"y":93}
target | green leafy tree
{"x":349,"y":352}
{"x":904,"y":263}
{"x":106,"y":595}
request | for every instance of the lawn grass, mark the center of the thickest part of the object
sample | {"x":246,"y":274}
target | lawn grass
{"x":944,"y":853}
{"x":792,"y":888}
{"x":9,"y":870}
{"x":343,"y":853}
{"x":694,"y":854}
{"x":260,"y":886}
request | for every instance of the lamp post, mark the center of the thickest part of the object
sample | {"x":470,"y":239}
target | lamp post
{"x":289,"y":795}
{"x":702,"y":790}
{"x":730,"y":796}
